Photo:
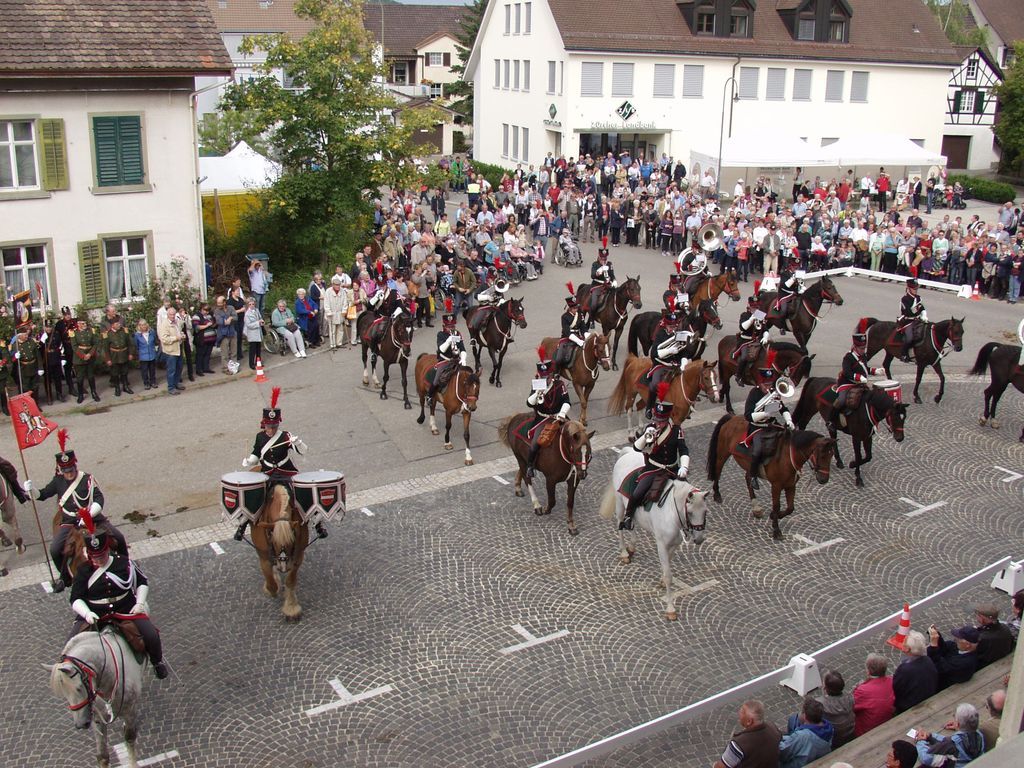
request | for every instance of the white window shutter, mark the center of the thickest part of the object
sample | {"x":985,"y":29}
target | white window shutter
{"x":693,"y":81}
{"x":664,"y":80}
{"x":591,"y":78}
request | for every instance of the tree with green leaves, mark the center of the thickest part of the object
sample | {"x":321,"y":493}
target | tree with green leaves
{"x":954,"y":18}
{"x":469,"y":27}
{"x":1009,"y":129}
{"x":335,"y":131}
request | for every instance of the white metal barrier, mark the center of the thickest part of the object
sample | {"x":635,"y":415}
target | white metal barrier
{"x":796,"y":667}
{"x":861,"y":272}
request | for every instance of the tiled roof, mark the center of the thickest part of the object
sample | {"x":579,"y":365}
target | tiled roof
{"x":404,"y":26}
{"x":880,"y":30}
{"x":107,"y":37}
{"x":1005,"y":17}
{"x":257,"y":17}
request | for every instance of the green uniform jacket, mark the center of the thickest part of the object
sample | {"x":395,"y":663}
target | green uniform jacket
{"x":118,"y":346}
{"x":86,"y":345}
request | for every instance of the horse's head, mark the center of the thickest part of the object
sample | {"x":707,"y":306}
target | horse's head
{"x":895,"y":413}
{"x":403,"y":333}
{"x":707,"y":310}
{"x":579,"y":451}
{"x":277,"y":517}
{"x":74,"y":680}
{"x":516,"y":313}
{"x":801,"y":369}
{"x":631,"y":289}
{"x":601,"y":350}
{"x":829,"y":292}
{"x":732,"y":286}
{"x":468,"y":387}
{"x":693,"y":509}
{"x":955,"y":333}
{"x":709,"y":383}
{"x":822,"y":451}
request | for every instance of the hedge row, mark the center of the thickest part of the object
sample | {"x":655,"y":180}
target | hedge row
{"x":492,"y":173}
{"x":984,"y":189}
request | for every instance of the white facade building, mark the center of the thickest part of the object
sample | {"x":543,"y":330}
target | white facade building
{"x":571,"y":83}
{"x":968,"y":141}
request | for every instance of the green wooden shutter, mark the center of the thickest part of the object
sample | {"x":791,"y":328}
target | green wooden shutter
{"x":957,"y":100}
{"x":104,"y":132}
{"x":979,"y":102}
{"x":129,"y":140}
{"x":54,"y":154}
{"x":93,"y":274}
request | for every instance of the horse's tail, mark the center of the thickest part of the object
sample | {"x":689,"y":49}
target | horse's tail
{"x":981,"y":364}
{"x":505,"y":431}
{"x":282,"y":535}
{"x":607,"y":510}
{"x":634,"y":332}
{"x":713,"y":447}
{"x":617,"y":401}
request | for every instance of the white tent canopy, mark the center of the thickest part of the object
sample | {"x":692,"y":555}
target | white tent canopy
{"x":239,"y":170}
{"x":883,"y":149}
{"x":764,"y":151}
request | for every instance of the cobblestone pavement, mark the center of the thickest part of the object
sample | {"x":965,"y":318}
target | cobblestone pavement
{"x":412,"y":605}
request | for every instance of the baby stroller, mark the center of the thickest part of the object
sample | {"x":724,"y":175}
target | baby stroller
{"x":568,"y":253}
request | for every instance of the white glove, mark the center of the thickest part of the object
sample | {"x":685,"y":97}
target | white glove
{"x":924,"y":315}
{"x":34,"y":492}
{"x":788,"y":419}
{"x":462,"y":359}
{"x":758,"y":416}
{"x":41,"y":372}
{"x":532,"y":398}
{"x":26,"y":486}
{"x":684,"y":467}
{"x":250,"y":461}
{"x":95,"y":509}
{"x":140,"y":600}
{"x":82,"y":609}
{"x":766,"y":338}
{"x":615,"y":283}
{"x":683,"y":362}
{"x":297,"y":443}
{"x":17,"y":355}
{"x":564,"y":413}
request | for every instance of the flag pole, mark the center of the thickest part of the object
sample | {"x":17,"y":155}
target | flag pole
{"x":35,"y":511}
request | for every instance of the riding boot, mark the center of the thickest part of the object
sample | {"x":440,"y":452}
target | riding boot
{"x":81,"y":392}
{"x":125,"y":386}
{"x":240,"y":531}
{"x":832,"y":419}
{"x":755,"y":469}
{"x":627,"y":519}
{"x":651,"y":396}
{"x":741,"y":370}
{"x":160,"y":669}
{"x":60,"y":390}
{"x":531,"y":459}
{"x":431,"y":394}
{"x":116,"y":382}
{"x":905,"y":351}
{"x":321,"y":532}
{"x":92,"y":389}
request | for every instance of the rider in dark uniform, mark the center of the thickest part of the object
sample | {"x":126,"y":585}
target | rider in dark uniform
{"x":271,"y":452}
{"x":911,"y":320}
{"x":675,"y":290}
{"x":665,"y":453}
{"x":666,"y":354}
{"x":602,"y":277}
{"x":111,"y":584}
{"x":74,"y":491}
{"x":551,"y":402}
{"x":450,"y":348}
{"x":789,"y":285}
{"x":694,"y":267}
{"x":753,"y":336}
{"x":764,"y":410}
{"x":855,"y":372}
{"x":574,"y":332}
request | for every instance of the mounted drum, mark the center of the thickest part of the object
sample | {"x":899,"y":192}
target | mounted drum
{"x":242,"y":496}
{"x":892,"y":388}
{"x":319,"y":495}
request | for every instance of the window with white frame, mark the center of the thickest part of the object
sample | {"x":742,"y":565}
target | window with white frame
{"x":966,"y":101}
{"x":526,"y":74}
{"x":125,"y":262}
{"x":693,"y":81}
{"x":859,"y":86}
{"x":25,"y":267}
{"x":436,"y":90}
{"x":802,"y":84}
{"x":515,"y":75}
{"x":497,"y":73}
{"x":776,"y":90}
{"x":551,"y":76}
{"x":508,"y":18}
{"x":706,"y":23}
{"x":18,"y":168}
{"x":749,"y":77}
{"x":435,"y":59}
{"x":972,"y":68}
{"x":400,"y":73}
{"x":519,"y":19}
{"x":591,"y":78}
{"x":527,"y":18}
{"x":622,"y":79}
{"x":834,"y":85}
{"x":504,"y":139}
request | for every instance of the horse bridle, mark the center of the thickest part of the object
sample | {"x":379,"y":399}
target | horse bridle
{"x":594,"y":373}
{"x":88,"y":676}
{"x":578,"y":467}
{"x":395,"y":343}
{"x":685,"y":519}
{"x":464,"y":406}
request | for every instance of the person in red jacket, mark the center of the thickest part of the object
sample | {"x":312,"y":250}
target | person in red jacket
{"x":874,"y":702}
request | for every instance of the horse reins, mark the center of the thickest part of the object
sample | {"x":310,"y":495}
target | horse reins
{"x":88,"y":675}
{"x":578,"y":467}
{"x":394,"y":342}
{"x":685,"y":520}
{"x":464,"y":405}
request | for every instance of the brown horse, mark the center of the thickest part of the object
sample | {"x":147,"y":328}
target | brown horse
{"x":458,"y":396}
{"x":631,"y":393}
{"x":280,"y":537}
{"x":614,"y":309}
{"x":495,"y":334}
{"x":808,"y":308}
{"x":710,"y":288}
{"x":1001,"y":361}
{"x":10,"y":521}
{"x":782,"y":470}
{"x":929,"y":351}
{"x":586,"y":366}
{"x":394,"y":346}
{"x":564,"y":460}
{"x":790,"y":360}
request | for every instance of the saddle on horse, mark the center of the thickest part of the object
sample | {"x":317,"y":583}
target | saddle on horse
{"x":479,"y":318}
{"x":440,"y":374}
{"x":375,"y":333}
{"x":596,"y":299}
{"x":653,"y":484}
{"x":123,"y":625}
{"x":565,"y":353}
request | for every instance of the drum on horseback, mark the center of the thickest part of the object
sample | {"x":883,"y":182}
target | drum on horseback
{"x":493,"y":328}
{"x":386,"y":336}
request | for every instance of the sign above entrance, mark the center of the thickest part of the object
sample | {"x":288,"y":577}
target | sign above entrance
{"x":607,"y":125}
{"x":625,"y":111}
{"x":553,"y":112}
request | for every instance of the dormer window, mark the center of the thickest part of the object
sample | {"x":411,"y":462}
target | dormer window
{"x":821,"y":21}
{"x":805,"y":28}
{"x":739,"y":25}
{"x":720,"y":18}
{"x":706,"y":22}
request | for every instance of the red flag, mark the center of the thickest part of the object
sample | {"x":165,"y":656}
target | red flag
{"x":29,"y":425}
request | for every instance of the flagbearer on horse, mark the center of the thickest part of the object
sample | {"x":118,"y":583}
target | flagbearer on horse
{"x":911,"y":321}
{"x":451,"y":351}
{"x":574,"y":332}
{"x":675,"y":292}
{"x":791,"y":284}
{"x":666,"y":350}
{"x":75,"y":491}
{"x":765,"y":413}
{"x":753,"y":336}
{"x":271,"y":452}
{"x":666,"y":456}
{"x":110,"y":587}
{"x":550,"y":403}
{"x":853,"y":379}
{"x":602,"y":278}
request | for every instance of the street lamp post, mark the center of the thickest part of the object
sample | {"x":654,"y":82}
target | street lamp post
{"x":730,"y":83}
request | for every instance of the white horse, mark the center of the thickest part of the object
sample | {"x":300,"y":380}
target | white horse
{"x":680,"y":519}
{"x":99,"y":677}
{"x":9,"y":517}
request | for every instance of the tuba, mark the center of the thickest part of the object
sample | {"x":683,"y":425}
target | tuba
{"x":709,"y":237}
{"x":784,"y":387}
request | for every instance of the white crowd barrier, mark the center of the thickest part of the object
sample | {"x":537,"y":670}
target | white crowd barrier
{"x":802,"y":668}
{"x":963,"y":291}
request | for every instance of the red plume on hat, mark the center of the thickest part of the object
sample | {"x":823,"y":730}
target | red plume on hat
{"x":862,"y":326}
{"x":604,"y":242}
{"x":275,"y":393}
{"x":87,"y":522}
{"x":769,"y":359}
{"x":671,"y":301}
{"x":449,"y":306}
{"x":540,"y":353}
{"x":663,"y":389}
{"x":62,"y":438}
{"x":572,"y":291}
{"x":757,"y":287}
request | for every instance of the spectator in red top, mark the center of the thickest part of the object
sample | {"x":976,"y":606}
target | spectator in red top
{"x":553,"y":192}
{"x":882,"y":189}
{"x":843,"y":193}
{"x":873,"y":700}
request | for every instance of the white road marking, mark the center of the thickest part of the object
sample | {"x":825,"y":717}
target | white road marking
{"x":921,"y":508}
{"x":812,"y":546}
{"x":366,"y":512}
{"x":500,"y":479}
{"x":530,"y":639}
{"x":217,"y":548}
{"x":345,"y":698}
{"x":1011,"y":475}
{"x":121,"y":753}
{"x":47,"y":586}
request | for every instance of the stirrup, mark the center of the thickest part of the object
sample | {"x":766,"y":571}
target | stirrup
{"x":321,"y":532}
{"x":57,"y":585}
{"x":160,"y":670}
{"x":240,"y":532}
{"x":627,"y":523}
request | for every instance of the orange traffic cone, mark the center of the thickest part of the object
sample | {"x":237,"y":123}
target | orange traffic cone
{"x":976,"y":292}
{"x":896,"y":641}
{"x":261,"y":377}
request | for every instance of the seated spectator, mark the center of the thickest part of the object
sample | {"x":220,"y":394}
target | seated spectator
{"x":989,"y":727}
{"x":916,"y":678}
{"x":959,"y":749}
{"x":903,"y":754}
{"x":284,"y":323}
{"x":838,"y":707}
{"x":1017,"y":608}
{"x":809,"y":736}
{"x":995,"y":639}
{"x":307,"y":313}
{"x":873,"y":700}
{"x":755,"y":745}
{"x":955,"y":660}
